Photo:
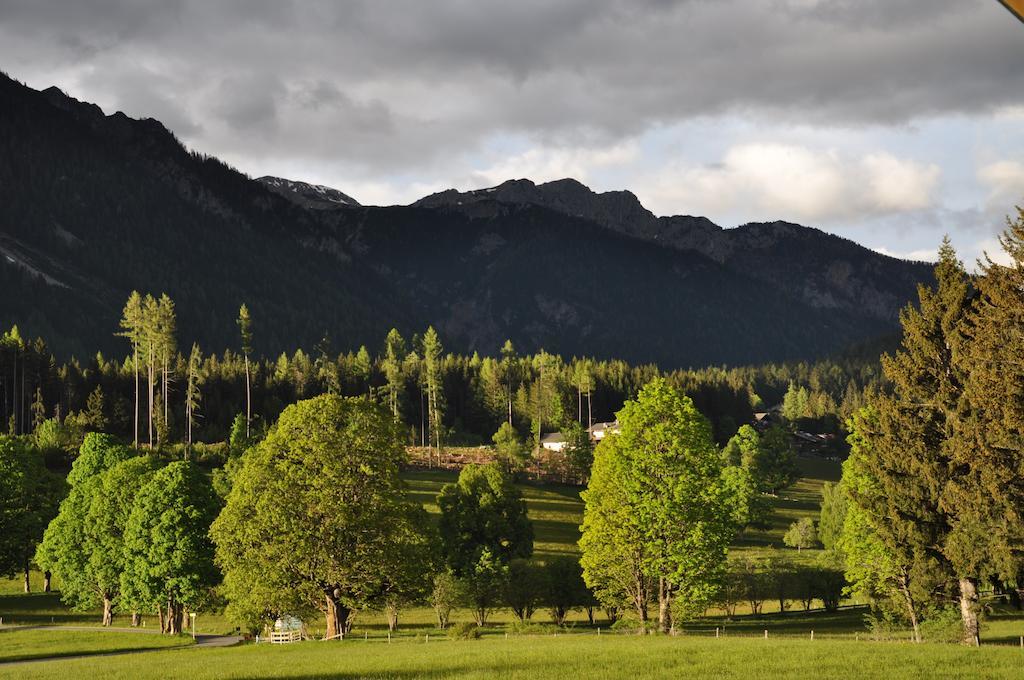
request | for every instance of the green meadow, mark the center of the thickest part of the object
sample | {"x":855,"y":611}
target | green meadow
{"x":842,"y":646}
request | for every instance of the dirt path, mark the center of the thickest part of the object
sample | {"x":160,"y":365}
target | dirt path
{"x":202,"y":641}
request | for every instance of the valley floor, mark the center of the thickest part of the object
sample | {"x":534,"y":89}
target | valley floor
{"x":565,"y":656}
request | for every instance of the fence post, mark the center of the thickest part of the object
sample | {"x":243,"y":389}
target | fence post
{"x":428,"y":638}
{"x":812,"y":634}
{"x":716,"y":633}
{"x":765,"y":633}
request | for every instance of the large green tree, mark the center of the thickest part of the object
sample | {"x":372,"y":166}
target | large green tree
{"x":318,"y":518}
{"x":985,"y":498}
{"x":483,"y":527}
{"x":906,"y":442}
{"x":75,"y":548}
{"x":168,"y":554}
{"x":670,"y":478}
{"x":29,"y":495}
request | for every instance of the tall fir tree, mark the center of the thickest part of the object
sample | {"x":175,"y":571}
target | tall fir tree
{"x":986,"y":498}
{"x":906,"y":444}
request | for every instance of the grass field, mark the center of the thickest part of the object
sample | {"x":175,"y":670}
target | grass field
{"x":571,"y":656}
{"x":17,"y":644}
{"x":841,"y":646}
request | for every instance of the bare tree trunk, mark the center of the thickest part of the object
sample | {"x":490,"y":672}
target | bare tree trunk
{"x":108,"y":611}
{"x":150,"y":377}
{"x":28,"y":586}
{"x":664,"y":606}
{"x":248,"y":399}
{"x":136,"y":362}
{"x":590,"y":411}
{"x":969,"y":611}
{"x":47,"y":576}
{"x":160,"y":617}
{"x":135,"y":619}
{"x":392,"y":613}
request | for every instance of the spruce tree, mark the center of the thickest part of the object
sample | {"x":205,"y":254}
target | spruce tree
{"x":986,"y":498}
{"x":906,"y":445}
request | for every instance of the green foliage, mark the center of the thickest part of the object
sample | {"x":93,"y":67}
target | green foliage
{"x":801,"y":534}
{"x":668,"y":477}
{"x":83,"y":545}
{"x":776,"y":467}
{"x":464,"y":630}
{"x":483,"y":584}
{"x":510,"y":450}
{"x":578,"y":451}
{"x":317,"y":516}
{"x":29,"y":495}
{"x":167,"y":550}
{"x":525,"y":589}
{"x":238,"y":440}
{"x":564,"y":589}
{"x":833,"y":514}
{"x":613,"y":544}
{"x":446,"y":595}
{"x":483,"y":512}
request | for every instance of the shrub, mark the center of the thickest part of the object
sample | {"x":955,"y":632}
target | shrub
{"x":944,"y":625}
{"x":464,"y":630}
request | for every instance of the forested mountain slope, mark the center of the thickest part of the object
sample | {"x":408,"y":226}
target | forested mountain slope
{"x":93,"y":206}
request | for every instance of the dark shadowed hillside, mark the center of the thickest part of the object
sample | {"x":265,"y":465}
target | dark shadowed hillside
{"x":94,"y":206}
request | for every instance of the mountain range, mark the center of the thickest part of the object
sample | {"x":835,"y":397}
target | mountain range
{"x":93,"y":206}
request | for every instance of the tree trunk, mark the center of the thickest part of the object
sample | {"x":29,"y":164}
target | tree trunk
{"x":136,"y":363}
{"x":28,"y":585}
{"x":175,"y":615}
{"x":135,"y":619}
{"x":911,"y":607}
{"x":480,"y":616}
{"x":664,"y":606}
{"x":248,"y":399}
{"x":590,"y":615}
{"x":47,"y":576}
{"x":392,"y":613}
{"x":336,"y":618}
{"x":108,"y":611}
{"x":149,"y":387}
{"x":969,"y":611}
{"x":160,"y":617}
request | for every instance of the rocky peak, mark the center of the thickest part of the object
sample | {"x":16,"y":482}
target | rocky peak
{"x":315,"y":196}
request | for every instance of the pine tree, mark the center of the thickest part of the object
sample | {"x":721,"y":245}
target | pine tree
{"x":245,"y":328}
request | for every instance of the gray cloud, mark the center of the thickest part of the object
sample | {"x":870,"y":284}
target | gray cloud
{"x":389,"y":87}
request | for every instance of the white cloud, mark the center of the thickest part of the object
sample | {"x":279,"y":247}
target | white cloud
{"x":1005,"y":183}
{"x":791,"y":181}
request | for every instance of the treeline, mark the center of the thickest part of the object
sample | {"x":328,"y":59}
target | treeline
{"x":930,"y":509}
{"x":162,"y":394}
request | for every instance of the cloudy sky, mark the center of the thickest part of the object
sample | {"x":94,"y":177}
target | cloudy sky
{"x":888,"y":121}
